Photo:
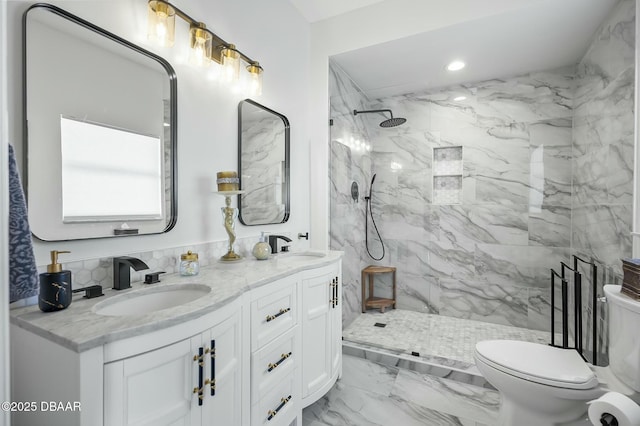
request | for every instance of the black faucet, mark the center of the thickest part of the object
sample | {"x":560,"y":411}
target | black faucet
{"x":273,"y":242}
{"x":121,"y":272}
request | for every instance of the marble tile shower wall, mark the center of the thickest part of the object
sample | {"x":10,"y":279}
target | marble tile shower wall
{"x":348,"y":165}
{"x":486,"y":258}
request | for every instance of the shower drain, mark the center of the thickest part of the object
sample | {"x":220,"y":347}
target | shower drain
{"x":379,"y":324}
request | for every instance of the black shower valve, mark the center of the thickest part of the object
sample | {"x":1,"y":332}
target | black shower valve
{"x":355,"y":192}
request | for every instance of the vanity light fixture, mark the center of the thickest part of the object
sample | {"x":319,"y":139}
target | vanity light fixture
{"x":456,"y":66}
{"x":161,"y":27}
{"x":255,"y":79}
{"x":205,"y":45}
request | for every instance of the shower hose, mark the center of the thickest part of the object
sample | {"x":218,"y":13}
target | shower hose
{"x":366,"y":223}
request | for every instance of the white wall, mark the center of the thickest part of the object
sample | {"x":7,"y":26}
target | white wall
{"x":273,"y":33}
{"x":381,"y":22}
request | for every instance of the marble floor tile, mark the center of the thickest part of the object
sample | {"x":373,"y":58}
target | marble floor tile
{"x":345,"y":405}
{"x":366,"y":375}
{"x":370,"y":394}
{"x":447,"y":396}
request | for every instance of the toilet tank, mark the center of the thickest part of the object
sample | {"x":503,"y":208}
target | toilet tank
{"x":624,"y":341}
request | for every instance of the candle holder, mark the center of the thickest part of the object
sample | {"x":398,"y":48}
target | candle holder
{"x":230,"y":214}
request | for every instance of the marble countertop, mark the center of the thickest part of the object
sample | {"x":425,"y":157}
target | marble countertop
{"x":79,"y":328}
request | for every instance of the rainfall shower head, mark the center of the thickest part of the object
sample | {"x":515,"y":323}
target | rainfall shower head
{"x":391,"y":122}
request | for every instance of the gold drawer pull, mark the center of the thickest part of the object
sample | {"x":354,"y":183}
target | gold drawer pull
{"x":282,"y":311}
{"x":283,"y":357}
{"x":272,"y":413}
{"x":200,"y":389}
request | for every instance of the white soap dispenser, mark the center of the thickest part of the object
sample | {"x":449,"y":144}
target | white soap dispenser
{"x":262,"y":249}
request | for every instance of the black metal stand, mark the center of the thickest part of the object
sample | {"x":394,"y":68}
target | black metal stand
{"x":594,"y":301}
{"x":577,"y":305}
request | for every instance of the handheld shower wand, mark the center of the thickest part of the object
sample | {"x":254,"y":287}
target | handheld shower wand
{"x":366,"y":222}
{"x":373,"y":179}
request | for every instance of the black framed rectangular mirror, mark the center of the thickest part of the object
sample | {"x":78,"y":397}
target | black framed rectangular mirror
{"x":263,"y":164}
{"x":100,"y":131}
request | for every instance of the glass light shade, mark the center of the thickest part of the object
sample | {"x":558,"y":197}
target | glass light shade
{"x":230,"y":64}
{"x":161,"y":25}
{"x":200,"y":42}
{"x":255,"y":79}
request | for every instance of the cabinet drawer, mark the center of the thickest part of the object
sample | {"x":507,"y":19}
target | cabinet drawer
{"x":273,"y":313}
{"x":279,"y":406}
{"x":272,"y":363}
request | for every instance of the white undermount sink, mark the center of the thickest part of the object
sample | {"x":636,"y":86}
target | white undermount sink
{"x":151,"y":299}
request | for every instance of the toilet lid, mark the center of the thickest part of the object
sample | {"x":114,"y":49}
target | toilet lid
{"x":538,"y":363}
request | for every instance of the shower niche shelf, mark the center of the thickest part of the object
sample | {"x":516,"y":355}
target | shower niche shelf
{"x":447,"y":175}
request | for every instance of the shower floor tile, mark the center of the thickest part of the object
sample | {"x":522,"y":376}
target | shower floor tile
{"x":435,"y":338}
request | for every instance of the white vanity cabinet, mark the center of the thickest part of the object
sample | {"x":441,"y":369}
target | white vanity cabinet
{"x":266,"y":352}
{"x":322,"y":331}
{"x":195,"y":381}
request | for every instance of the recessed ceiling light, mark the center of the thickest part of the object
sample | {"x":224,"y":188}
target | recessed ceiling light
{"x":459,"y":98}
{"x":456,"y":66}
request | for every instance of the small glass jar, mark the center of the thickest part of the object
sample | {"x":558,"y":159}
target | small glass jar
{"x":189,"y":265}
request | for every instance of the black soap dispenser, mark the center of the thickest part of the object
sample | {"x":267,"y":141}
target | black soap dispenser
{"x":55,"y":286}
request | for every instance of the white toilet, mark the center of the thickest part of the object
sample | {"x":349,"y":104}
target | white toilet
{"x":543,"y":385}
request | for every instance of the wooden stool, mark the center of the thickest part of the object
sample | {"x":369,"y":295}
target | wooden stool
{"x":372,"y":301}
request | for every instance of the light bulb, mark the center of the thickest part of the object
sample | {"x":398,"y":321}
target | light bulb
{"x":198,"y":56}
{"x":200,"y":41}
{"x":230,"y":64}
{"x":161,"y":27}
{"x":255,"y":79}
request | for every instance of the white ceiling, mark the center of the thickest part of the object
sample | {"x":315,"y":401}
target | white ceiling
{"x":542,"y":35}
{"x":317,"y":10}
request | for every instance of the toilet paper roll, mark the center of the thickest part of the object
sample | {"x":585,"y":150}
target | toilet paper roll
{"x":618,"y":405}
